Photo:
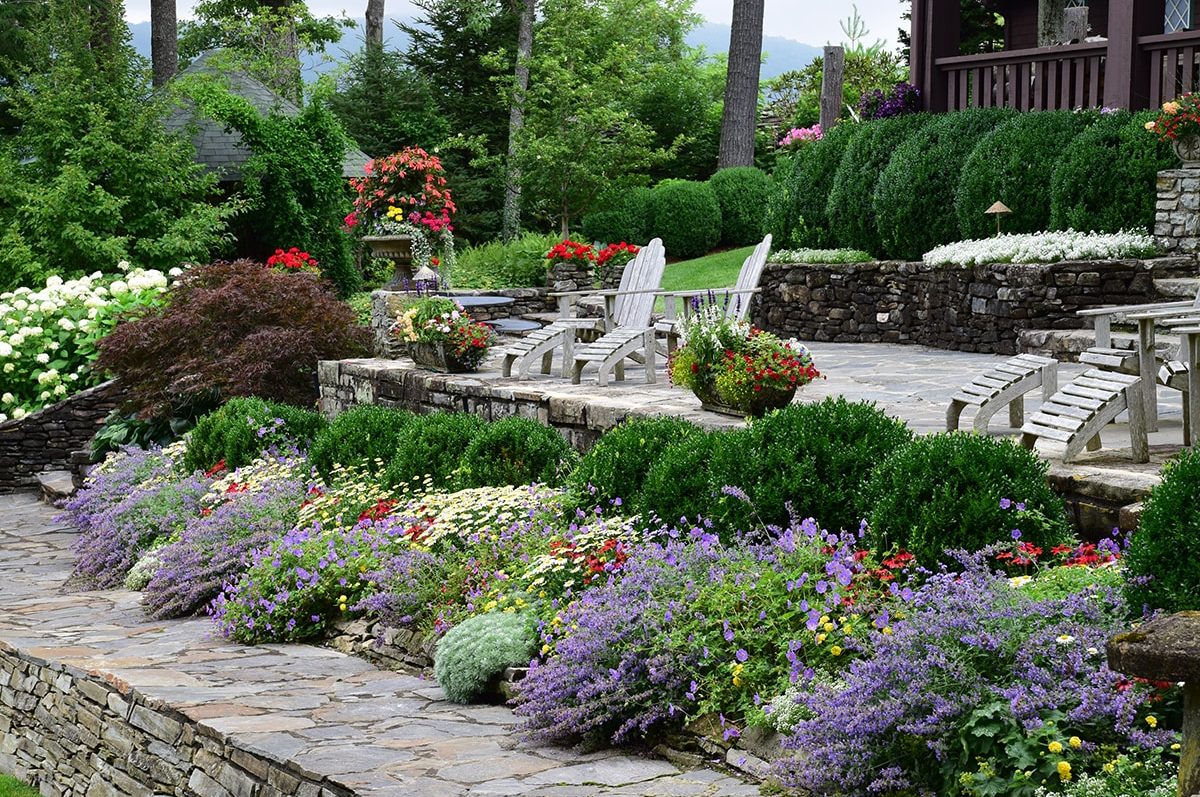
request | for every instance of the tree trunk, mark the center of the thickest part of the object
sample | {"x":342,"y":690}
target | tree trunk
{"x":164,"y":40}
{"x":374,"y":29}
{"x":284,"y":40}
{"x":516,"y":122}
{"x":741,"y":85}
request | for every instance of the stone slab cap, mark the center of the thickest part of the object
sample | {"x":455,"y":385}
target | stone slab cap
{"x":1165,"y":649}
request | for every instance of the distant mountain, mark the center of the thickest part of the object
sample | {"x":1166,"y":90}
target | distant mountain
{"x":782,"y":55}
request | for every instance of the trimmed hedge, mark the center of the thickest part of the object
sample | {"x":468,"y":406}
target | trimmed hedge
{"x":1105,"y":181}
{"x":359,"y":436}
{"x":627,"y":219}
{"x":231,"y":432}
{"x":432,"y":445}
{"x":617,"y":465}
{"x":741,"y":194}
{"x":944,"y":492}
{"x":915,"y":194}
{"x":851,"y":208}
{"x":678,"y":487}
{"x":780,"y":218}
{"x":687,"y":217}
{"x":1162,"y":563}
{"x":1015,"y":164}
{"x":811,"y":182}
{"x":516,"y":451}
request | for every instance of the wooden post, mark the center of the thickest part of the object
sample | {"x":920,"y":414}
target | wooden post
{"x":1127,"y":68}
{"x":833,"y":78}
{"x":936,"y":28}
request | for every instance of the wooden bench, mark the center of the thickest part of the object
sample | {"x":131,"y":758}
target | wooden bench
{"x":1006,"y":384}
{"x":1075,"y":415}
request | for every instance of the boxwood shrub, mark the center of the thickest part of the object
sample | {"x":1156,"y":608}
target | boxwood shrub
{"x":679,"y":484}
{"x":944,"y":492}
{"x":360,"y":435}
{"x":1162,"y":564}
{"x":432,"y":445}
{"x":741,"y":194}
{"x":814,"y":457}
{"x":780,"y":218}
{"x":686,"y":216}
{"x":1014,"y":164}
{"x":851,"y":209}
{"x":516,"y":451}
{"x":627,"y":219}
{"x":617,"y":465}
{"x":243,"y":428}
{"x":1105,"y":180}
{"x":915,"y":193}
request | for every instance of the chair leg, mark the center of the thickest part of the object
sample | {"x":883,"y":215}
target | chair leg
{"x":577,"y":372}
{"x":953,"y":413}
{"x":650,"y":352}
{"x":508,"y":364}
{"x":568,"y":348}
{"x":1139,"y":445}
{"x":1094,"y":443}
{"x":1187,"y":421}
{"x":1146,"y":368}
{"x":547,"y":362}
{"x":1016,"y":412}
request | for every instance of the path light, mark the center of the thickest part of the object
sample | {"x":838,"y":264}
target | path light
{"x":425,"y":274}
{"x":999,"y":209}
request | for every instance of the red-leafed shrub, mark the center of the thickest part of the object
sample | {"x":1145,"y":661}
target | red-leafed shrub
{"x":232,"y":329}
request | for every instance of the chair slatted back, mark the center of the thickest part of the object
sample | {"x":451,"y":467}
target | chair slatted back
{"x":643,"y":274}
{"x":748,"y":278}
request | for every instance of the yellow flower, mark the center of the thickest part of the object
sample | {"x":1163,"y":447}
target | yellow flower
{"x":1075,"y":742}
{"x":1152,"y":721}
{"x":1175,"y":747}
{"x":737,"y":674}
{"x":1171,"y":107}
{"x":828,"y":627}
{"x":820,"y":639}
{"x":545,"y":649}
{"x":887,"y":630}
{"x":1110,"y":767}
{"x":1149,"y":125}
{"x":1055,"y":747}
{"x":1064,"y":770}
{"x":836,"y":650}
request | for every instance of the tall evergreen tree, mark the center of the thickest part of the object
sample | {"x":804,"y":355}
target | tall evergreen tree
{"x":92,"y":178}
{"x":18,"y":19}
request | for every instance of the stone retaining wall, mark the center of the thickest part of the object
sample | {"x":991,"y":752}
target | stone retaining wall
{"x":45,"y":439}
{"x":70,"y":734}
{"x":1177,"y":212}
{"x":973,"y":308}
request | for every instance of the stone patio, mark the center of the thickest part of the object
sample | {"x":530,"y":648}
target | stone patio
{"x":217,"y":718}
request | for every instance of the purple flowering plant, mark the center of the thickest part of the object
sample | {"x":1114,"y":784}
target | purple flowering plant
{"x":982,"y":688}
{"x":902,"y":99}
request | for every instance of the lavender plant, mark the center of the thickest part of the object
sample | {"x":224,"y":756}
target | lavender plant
{"x":214,"y":546}
{"x":981,"y":689}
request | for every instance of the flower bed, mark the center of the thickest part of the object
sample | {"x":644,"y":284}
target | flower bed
{"x":880,"y":676}
{"x":1044,"y":247}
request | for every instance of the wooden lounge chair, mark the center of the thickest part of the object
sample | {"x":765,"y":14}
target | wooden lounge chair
{"x":1075,"y":415}
{"x":633,"y":300}
{"x":738,"y":296}
{"x":1004,"y":386}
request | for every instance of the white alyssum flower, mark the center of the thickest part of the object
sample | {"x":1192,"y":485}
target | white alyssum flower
{"x":1043,"y":247}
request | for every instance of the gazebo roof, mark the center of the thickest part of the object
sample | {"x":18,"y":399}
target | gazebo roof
{"x":222,"y":151}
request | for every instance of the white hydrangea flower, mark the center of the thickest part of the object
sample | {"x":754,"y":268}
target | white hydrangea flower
{"x":43,"y":358}
{"x":60,"y":390}
{"x":18,"y":413}
{"x":123,"y":265}
{"x":119,"y":288}
{"x":66,"y":324}
{"x":54,"y":281}
{"x":6,"y":349}
{"x":7,"y":398}
{"x":9,"y":368}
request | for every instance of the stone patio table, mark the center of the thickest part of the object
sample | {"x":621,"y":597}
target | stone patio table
{"x":1168,"y":649}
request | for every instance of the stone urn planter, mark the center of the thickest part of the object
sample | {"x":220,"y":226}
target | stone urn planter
{"x":1188,"y":149}
{"x":438,"y":357}
{"x":398,"y":249}
{"x":763,"y":402}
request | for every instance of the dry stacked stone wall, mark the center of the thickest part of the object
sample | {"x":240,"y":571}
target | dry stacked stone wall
{"x":962,"y":308}
{"x":1177,"y":216}
{"x":46,"y":439}
{"x":73,"y":735}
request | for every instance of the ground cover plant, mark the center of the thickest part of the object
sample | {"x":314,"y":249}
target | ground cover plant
{"x":887,"y":664}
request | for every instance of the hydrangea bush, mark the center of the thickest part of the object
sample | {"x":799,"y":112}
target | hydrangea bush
{"x":48,"y":336}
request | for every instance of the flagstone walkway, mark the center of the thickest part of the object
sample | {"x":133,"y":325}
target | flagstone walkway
{"x":370,"y":731}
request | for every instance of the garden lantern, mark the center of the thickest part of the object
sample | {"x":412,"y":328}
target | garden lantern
{"x":998,"y":210}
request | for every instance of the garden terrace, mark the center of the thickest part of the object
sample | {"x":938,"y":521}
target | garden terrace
{"x":912,"y":383}
{"x":99,"y":701}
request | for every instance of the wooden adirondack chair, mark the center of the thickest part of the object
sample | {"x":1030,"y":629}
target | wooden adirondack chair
{"x":738,"y":297}
{"x":630,"y":302}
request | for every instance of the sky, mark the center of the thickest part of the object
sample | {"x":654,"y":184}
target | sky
{"x":810,"y":21}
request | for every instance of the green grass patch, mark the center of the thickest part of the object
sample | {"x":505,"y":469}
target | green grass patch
{"x":716,"y":270}
{"x":11,"y":787}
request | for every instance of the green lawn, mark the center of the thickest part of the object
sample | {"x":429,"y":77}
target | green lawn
{"x":718,"y":270}
{"x":11,"y":787}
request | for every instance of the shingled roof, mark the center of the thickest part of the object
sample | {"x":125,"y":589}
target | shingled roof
{"x":224,"y":152}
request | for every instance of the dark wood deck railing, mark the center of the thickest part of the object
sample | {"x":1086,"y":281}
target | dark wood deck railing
{"x":1174,"y":64}
{"x":1039,"y":79}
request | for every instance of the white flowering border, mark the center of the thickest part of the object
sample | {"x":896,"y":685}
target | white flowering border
{"x":48,"y":337}
{"x":1044,"y":247}
{"x":820,"y":256}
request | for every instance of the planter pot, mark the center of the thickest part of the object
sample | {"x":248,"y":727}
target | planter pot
{"x":762,"y":403}
{"x":437,"y":357}
{"x":1188,"y":150}
{"x":398,"y":249}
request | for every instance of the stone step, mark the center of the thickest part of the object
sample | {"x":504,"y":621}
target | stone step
{"x":56,"y":485}
{"x":1177,"y":288}
{"x":1067,"y":344}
